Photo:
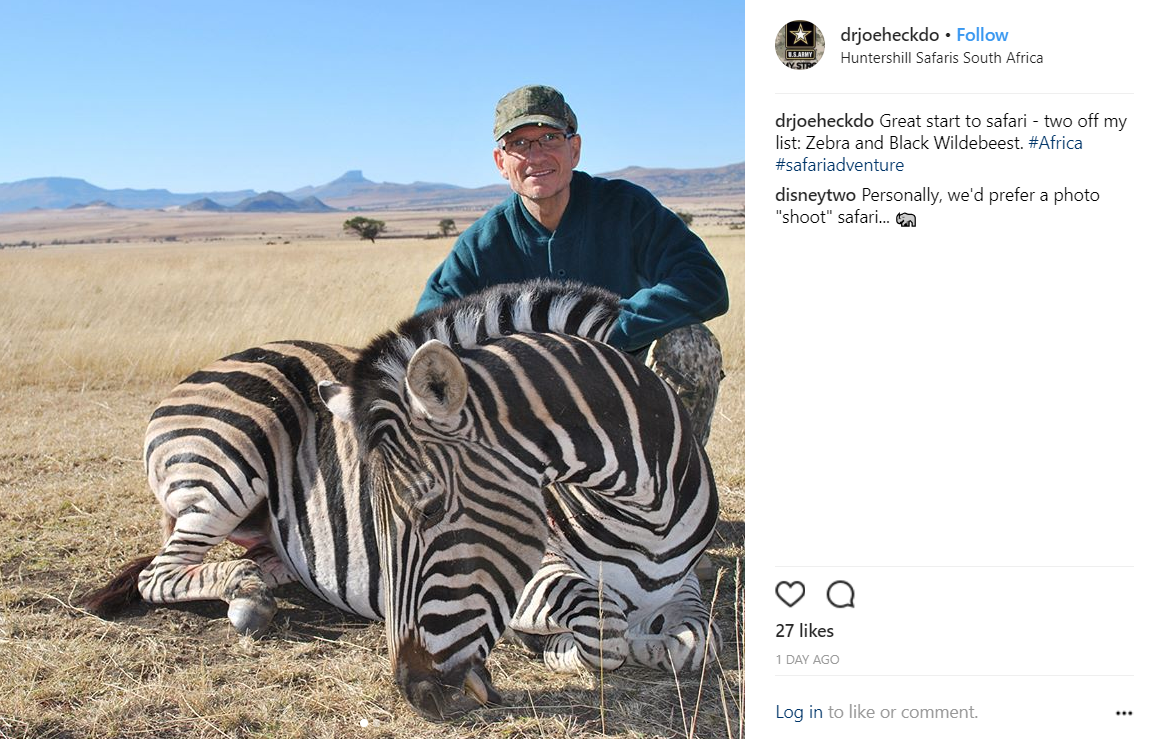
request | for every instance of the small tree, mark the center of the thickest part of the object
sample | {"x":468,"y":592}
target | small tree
{"x":365,"y":228}
{"x":447,"y":227}
{"x":687,"y":218}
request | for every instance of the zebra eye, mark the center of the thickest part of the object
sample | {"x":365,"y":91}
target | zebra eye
{"x":420,"y":494}
{"x":427,"y":499}
{"x":432,"y":510}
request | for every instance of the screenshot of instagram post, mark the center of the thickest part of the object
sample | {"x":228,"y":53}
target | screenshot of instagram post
{"x":954,"y":408}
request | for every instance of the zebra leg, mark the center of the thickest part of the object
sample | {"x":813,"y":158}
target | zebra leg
{"x":584,"y":627}
{"x":179,"y":573}
{"x":676,"y":636}
{"x":274,"y":570}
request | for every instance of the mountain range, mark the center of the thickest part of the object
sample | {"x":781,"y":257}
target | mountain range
{"x":351,"y":191}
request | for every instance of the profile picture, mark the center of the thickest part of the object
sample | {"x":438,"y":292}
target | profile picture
{"x":799,"y":44}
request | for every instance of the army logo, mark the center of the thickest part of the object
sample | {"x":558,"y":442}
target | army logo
{"x":799,"y":44}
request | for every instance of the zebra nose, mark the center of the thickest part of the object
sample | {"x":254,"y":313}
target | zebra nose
{"x":439,"y":696}
{"x":437,"y":699}
{"x":426,"y":696}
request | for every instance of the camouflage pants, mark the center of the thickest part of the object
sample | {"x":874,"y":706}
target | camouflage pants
{"x":689,"y":359}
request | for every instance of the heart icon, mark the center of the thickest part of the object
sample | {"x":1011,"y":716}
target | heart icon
{"x":790,"y":592}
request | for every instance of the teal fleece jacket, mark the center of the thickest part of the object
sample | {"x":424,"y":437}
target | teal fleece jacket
{"x":613,"y":234}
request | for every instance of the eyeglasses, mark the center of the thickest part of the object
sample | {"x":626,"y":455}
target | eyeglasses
{"x":550,"y":141}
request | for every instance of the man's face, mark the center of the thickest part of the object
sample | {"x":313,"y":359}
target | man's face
{"x":540,"y":173}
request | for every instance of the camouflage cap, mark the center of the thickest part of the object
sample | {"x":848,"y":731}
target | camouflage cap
{"x":533,"y":104}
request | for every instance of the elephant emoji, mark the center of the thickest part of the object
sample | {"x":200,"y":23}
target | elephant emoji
{"x":906,"y":219}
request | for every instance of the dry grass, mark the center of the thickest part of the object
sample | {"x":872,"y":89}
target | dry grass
{"x":91,"y":338}
{"x":114,"y":315}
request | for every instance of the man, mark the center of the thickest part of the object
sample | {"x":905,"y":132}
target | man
{"x":564,"y":224}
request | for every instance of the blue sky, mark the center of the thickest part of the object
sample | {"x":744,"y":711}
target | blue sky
{"x":235,"y":95}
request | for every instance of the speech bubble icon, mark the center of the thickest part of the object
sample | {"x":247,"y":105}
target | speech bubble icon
{"x":840,"y":594}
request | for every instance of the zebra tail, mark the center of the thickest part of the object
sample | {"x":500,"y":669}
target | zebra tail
{"x":120,"y":593}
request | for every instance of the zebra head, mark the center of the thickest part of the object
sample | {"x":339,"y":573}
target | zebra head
{"x":461,"y":528}
{"x":461,"y":522}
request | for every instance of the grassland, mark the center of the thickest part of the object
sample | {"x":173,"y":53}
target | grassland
{"x":92,"y":335}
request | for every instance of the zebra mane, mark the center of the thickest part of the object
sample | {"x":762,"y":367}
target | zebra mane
{"x":535,"y":306}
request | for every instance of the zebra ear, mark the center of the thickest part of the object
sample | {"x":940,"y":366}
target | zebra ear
{"x":337,"y":398}
{"x":436,"y":382}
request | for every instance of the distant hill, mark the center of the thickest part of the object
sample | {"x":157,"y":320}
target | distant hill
{"x":353,"y":190}
{"x":62,"y":192}
{"x":350,"y":191}
{"x":95,"y":205}
{"x":350,"y":182}
{"x":204,"y":204}
{"x":276,"y":202}
{"x":312,"y":204}
{"x":728,"y":180}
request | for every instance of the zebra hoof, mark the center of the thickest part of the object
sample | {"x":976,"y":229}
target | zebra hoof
{"x":252,"y":612}
{"x":705,"y":569}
